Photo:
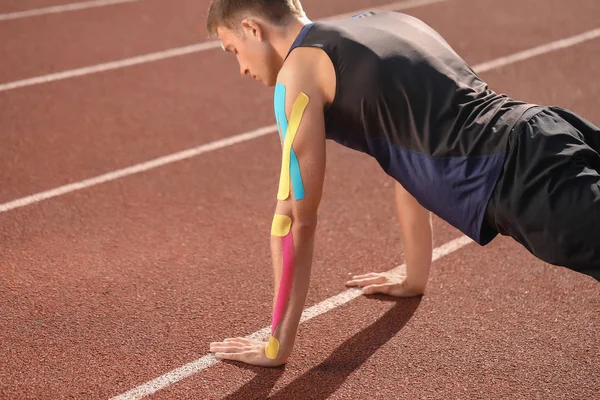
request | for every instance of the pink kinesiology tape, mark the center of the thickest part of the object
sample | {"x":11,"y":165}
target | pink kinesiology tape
{"x":287,"y":276}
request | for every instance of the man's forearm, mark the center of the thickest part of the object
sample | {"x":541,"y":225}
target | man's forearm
{"x":417,"y":236}
{"x":292,"y":268}
{"x":418,"y":251}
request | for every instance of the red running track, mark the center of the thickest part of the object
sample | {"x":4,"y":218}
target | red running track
{"x":107,"y":288}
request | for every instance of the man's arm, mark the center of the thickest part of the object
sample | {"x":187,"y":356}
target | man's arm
{"x":302,"y":129}
{"x":417,"y":236}
{"x":299,"y":195}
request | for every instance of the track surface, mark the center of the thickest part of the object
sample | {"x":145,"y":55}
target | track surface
{"x":107,"y":288}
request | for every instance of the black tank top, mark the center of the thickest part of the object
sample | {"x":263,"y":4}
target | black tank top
{"x":406,"y":98}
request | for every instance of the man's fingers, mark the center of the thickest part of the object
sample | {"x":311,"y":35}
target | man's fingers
{"x":378,"y":288}
{"x":229,"y":348}
{"x":366,"y":281}
{"x":243,"y":357}
{"x":240,"y":340}
{"x":369,"y":275}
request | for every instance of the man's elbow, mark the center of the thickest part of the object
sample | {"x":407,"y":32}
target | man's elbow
{"x":305,"y":225}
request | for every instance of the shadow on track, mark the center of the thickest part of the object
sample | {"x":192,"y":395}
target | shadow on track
{"x":260,"y":386}
{"x":324,"y":379}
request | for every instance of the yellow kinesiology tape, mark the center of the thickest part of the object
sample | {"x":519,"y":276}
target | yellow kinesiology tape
{"x":286,"y":162}
{"x":272,"y":349}
{"x":281,"y":225}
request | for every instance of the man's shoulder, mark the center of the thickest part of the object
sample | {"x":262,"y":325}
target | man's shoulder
{"x":306,"y":69}
{"x":301,"y":64}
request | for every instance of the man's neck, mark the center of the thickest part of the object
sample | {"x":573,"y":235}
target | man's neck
{"x":287,"y":36}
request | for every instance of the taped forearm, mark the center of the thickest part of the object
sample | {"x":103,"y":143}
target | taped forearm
{"x":281,"y":228}
{"x":296,"y":244}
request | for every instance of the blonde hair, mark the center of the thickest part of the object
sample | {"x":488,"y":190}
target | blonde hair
{"x":228,"y":13}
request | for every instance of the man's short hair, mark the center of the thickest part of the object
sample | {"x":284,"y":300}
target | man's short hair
{"x":228,"y":13}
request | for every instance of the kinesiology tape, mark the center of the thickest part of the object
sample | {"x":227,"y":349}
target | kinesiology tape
{"x":282,"y":224}
{"x":282,"y":227}
{"x":290,"y":168}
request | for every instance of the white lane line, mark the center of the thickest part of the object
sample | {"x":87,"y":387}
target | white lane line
{"x":175,"y":52}
{"x":145,"y":166}
{"x":127,"y":62}
{"x":536,"y":51}
{"x":403,"y":5}
{"x":61,"y":8}
{"x":210,"y":360}
{"x":155,"y":163}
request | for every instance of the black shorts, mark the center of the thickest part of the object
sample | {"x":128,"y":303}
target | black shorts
{"x":548,"y":195}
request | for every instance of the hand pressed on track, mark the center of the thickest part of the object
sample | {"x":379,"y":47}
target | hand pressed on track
{"x":392,"y":284}
{"x":249,"y":351}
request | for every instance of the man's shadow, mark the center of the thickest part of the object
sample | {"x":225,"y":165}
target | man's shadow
{"x":324,"y":379}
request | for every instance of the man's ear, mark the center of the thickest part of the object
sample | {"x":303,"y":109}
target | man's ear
{"x":253,"y":28}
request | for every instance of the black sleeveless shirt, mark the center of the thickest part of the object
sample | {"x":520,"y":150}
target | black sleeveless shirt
{"x":407,"y":99}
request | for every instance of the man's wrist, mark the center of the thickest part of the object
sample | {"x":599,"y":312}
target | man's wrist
{"x":415,"y":286}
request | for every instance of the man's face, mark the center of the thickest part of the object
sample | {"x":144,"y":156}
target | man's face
{"x":254,"y":55}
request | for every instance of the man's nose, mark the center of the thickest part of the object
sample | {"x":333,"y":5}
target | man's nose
{"x":243,"y":70}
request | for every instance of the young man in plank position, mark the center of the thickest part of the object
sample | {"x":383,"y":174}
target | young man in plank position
{"x":388,"y":85}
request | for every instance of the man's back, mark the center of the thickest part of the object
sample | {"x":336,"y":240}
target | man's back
{"x":406,"y":98}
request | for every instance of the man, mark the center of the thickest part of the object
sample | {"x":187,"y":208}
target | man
{"x":388,"y":85}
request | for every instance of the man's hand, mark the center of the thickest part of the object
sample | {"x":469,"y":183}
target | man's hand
{"x":249,"y":351}
{"x":386,"y":283}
